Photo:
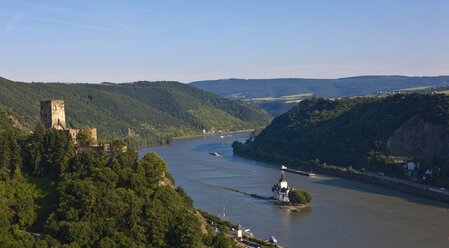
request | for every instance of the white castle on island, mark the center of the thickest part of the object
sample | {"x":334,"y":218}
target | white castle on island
{"x":281,"y":189}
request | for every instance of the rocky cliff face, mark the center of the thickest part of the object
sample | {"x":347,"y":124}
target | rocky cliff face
{"x":419,"y":138}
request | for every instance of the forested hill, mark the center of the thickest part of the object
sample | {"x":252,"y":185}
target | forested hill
{"x":342,"y":87}
{"x":359,"y":132}
{"x":142,"y":112}
{"x":55,"y":196}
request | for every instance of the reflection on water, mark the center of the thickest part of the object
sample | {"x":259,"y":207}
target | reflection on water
{"x":343,"y":213}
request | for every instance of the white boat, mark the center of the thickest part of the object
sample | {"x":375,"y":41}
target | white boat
{"x":215,"y":154}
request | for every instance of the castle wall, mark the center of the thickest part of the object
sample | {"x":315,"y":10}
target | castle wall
{"x":75,"y":131}
{"x":281,"y":196}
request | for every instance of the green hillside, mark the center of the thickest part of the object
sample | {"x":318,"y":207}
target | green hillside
{"x":140,"y":112}
{"x":360,"y":132}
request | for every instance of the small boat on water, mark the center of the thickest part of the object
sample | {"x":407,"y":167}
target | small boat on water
{"x":304,"y":173}
{"x":215,"y":154}
{"x":225,"y":136}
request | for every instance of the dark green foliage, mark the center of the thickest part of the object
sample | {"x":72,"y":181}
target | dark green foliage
{"x":299,"y":196}
{"x":96,"y":200}
{"x":254,"y":133}
{"x":440,"y":167}
{"x":153,"y":167}
{"x":10,"y":158}
{"x":187,"y":200}
{"x":84,"y":137}
{"x":17,"y":211}
{"x":49,"y":150}
{"x":140,"y":113}
{"x":99,"y":207}
{"x":17,"y":204}
{"x":351,"y":131}
{"x":36,"y":149}
{"x":275,"y":108}
{"x":221,"y":241}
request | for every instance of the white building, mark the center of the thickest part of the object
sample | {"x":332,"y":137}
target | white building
{"x":280,"y":190}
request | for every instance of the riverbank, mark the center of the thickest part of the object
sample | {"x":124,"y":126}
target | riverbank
{"x":231,"y":231}
{"x":416,"y":189}
{"x":386,"y":182}
{"x":213,"y":134}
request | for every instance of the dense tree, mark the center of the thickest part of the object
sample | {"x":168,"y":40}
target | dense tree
{"x":96,"y":208}
{"x":36,"y":148}
{"x":17,"y":207}
{"x":299,"y":196}
{"x":84,"y":137}
{"x":49,"y":150}
{"x":154,"y":167}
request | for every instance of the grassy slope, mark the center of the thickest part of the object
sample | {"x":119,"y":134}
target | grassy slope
{"x":149,"y":111}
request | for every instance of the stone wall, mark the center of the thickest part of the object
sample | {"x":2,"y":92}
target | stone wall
{"x":75,"y":131}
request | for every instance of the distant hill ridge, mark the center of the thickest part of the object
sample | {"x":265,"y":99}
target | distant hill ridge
{"x":141,"y":112}
{"x":341,"y":87}
{"x":278,"y":95}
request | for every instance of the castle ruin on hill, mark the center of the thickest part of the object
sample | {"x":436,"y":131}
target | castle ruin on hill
{"x":53,"y":116}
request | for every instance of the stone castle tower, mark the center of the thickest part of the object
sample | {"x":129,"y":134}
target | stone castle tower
{"x":53,"y":114}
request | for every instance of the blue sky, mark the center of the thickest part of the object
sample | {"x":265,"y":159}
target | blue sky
{"x":124,"y":41}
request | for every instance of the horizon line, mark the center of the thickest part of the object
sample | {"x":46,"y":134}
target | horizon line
{"x":234,"y":78}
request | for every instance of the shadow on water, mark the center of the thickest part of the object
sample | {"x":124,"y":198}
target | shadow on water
{"x":373,"y":189}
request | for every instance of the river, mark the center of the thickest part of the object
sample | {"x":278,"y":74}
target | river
{"x":343,"y":213}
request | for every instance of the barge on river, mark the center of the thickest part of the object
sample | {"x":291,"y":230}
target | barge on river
{"x":304,"y":173}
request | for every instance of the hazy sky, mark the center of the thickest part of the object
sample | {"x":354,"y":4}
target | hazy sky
{"x":123,"y":41}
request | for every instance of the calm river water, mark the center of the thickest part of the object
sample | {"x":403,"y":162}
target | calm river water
{"x":343,"y":213}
